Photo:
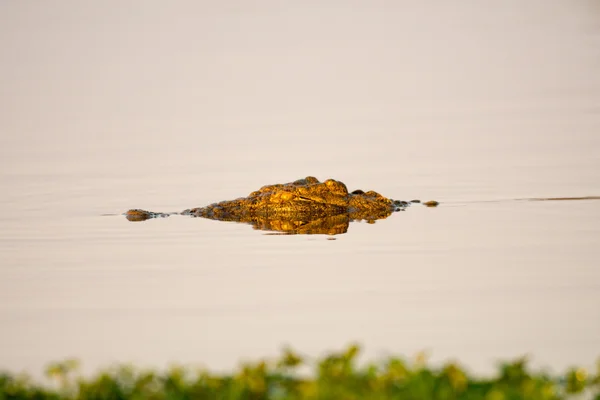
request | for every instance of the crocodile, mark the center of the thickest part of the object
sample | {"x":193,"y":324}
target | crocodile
{"x":305,"y":206}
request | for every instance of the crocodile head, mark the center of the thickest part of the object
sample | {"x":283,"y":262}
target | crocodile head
{"x":302,"y":206}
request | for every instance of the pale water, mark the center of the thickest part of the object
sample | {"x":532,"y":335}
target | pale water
{"x":111,"y":106}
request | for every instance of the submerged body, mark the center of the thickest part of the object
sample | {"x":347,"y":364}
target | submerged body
{"x":302,"y":206}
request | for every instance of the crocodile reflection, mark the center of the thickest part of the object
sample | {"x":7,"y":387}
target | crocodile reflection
{"x":305,"y":206}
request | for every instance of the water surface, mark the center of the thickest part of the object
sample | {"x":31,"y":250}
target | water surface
{"x":110,"y":107}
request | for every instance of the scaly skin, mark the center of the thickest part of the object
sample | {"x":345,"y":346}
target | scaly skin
{"x":305,"y":206}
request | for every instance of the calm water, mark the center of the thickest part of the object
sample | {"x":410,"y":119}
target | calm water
{"x":109,"y":107}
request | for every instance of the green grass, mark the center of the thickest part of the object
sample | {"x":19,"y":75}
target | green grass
{"x":336,"y":376}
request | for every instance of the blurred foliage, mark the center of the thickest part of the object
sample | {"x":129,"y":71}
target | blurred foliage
{"x":336,"y":376}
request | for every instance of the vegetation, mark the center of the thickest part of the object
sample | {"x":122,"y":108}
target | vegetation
{"x":337,"y":376}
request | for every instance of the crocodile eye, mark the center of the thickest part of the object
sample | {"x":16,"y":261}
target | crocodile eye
{"x":358,"y":191}
{"x":336,"y":186}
